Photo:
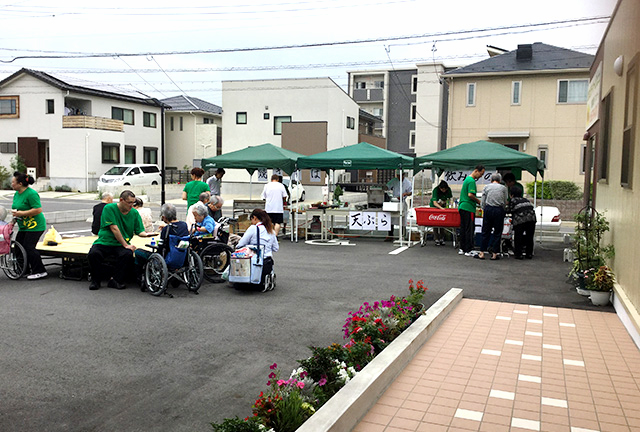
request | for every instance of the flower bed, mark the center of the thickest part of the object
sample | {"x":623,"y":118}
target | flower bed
{"x":289,"y":403}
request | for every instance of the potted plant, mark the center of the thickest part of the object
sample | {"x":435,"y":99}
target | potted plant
{"x":590,"y":268}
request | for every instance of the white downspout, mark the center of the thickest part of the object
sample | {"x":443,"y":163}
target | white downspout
{"x":86,"y":161}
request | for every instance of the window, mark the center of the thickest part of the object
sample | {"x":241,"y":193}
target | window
{"x":50,"y":106}
{"x":414,"y":112}
{"x":110,"y":153}
{"x":361,"y":85}
{"x":129,"y":154}
{"x":148,"y":119}
{"x":378,"y":84}
{"x":150,"y":155}
{"x":207,"y":120}
{"x":605,"y":138}
{"x":583,"y":158}
{"x":266,"y":116}
{"x":516,"y":92}
{"x":8,"y":147}
{"x":543,"y":151}
{"x":471,"y":94}
{"x":241,"y":118}
{"x":277,"y":123}
{"x":181,"y":123}
{"x":414,"y":84}
{"x":628,"y":134}
{"x":351,"y":123}
{"x":171,"y":123}
{"x":126,"y":115}
{"x":378,"y":112}
{"x":572,"y":91}
{"x":9,"y":106}
{"x":150,"y":169}
{"x":513,"y":146}
{"x":412,"y":139}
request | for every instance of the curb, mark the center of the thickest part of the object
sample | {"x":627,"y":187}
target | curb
{"x":68,"y":216}
{"x":347,"y":407}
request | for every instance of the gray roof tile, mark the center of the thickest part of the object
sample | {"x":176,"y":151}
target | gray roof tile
{"x":188,"y":103}
{"x":544,"y":57}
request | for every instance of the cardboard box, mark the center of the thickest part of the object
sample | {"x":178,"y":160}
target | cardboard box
{"x":241,"y":225}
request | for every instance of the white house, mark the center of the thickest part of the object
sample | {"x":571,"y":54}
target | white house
{"x":72,"y":134}
{"x":321,"y":113}
{"x":193,"y":131}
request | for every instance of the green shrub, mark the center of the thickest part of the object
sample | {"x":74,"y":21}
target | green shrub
{"x":17,"y":164}
{"x":556,"y":189}
{"x":63,"y":188}
{"x":5,"y":175}
{"x":237,"y":425}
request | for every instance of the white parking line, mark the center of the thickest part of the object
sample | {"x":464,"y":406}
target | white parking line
{"x":399,"y":250}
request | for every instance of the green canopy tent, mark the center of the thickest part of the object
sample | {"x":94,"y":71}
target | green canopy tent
{"x":257,"y":157}
{"x":491,"y":155}
{"x":358,"y":156}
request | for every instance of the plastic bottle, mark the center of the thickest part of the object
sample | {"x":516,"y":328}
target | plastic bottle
{"x":153,"y":241}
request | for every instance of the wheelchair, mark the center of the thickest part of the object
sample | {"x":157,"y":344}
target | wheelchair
{"x":181,"y":264}
{"x":214,"y":252}
{"x":13,"y":256}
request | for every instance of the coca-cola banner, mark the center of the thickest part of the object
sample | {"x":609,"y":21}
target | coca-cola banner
{"x":457,"y":177}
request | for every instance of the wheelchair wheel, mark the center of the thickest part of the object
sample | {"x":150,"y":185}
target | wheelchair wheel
{"x":215,"y":259}
{"x":156,"y":274}
{"x":14,"y":264}
{"x":193,"y":272}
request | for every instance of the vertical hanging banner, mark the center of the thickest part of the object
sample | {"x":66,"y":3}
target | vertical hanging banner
{"x":263,"y":175}
{"x":315,"y":175}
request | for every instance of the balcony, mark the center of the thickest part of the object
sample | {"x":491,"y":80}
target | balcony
{"x":89,"y":122}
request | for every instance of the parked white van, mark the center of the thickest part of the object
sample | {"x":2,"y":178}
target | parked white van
{"x":131,"y":175}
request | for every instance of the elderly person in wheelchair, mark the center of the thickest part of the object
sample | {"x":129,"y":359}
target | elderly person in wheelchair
{"x":173,"y":259}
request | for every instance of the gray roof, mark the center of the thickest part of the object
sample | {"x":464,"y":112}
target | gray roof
{"x":368,"y":116}
{"x":188,"y":103}
{"x":543,"y":58}
{"x":72,"y":84}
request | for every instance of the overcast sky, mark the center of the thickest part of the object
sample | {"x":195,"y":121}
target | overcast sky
{"x":53,"y":28}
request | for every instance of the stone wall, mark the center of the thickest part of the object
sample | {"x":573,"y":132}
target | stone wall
{"x":568,"y":208}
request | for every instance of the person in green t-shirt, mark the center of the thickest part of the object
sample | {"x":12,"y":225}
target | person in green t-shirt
{"x":26,"y":206}
{"x":195,"y":187}
{"x":439,"y":198}
{"x":467,"y":208}
{"x":118,"y":224}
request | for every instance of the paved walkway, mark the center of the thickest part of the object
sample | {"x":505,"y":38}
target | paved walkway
{"x":508,"y":367}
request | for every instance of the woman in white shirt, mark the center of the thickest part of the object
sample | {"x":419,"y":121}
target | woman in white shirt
{"x":261,"y":227}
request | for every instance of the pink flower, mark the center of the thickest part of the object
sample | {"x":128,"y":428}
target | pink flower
{"x":322,"y":382}
{"x":273,"y":366}
{"x":272,"y":375}
{"x":281,"y":382}
{"x":300,"y":385}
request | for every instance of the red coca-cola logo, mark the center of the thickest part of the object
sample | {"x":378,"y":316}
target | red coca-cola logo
{"x":439,"y":217}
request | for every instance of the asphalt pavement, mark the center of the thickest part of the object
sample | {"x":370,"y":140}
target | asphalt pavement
{"x":108,"y":360}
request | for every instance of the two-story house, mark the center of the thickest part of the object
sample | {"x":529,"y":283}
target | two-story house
{"x":308,"y":116}
{"x":193,"y":131}
{"x":411,"y":103}
{"x":71,"y":134}
{"x":532,"y":99}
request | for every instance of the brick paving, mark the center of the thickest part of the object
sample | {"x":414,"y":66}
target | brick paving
{"x":497,"y":367}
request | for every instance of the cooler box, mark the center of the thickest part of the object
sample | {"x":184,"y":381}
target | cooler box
{"x":435,"y":217}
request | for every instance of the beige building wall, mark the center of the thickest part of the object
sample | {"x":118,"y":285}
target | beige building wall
{"x":537,"y":122}
{"x":622,"y":204}
{"x":195,"y":140}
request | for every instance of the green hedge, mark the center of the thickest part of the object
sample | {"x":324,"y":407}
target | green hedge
{"x":556,"y":189}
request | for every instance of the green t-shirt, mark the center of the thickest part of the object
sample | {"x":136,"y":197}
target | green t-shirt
{"x":194,"y":189}
{"x":468,"y":187}
{"x":438,"y":195}
{"x":27,"y":200}
{"x":128,"y":224}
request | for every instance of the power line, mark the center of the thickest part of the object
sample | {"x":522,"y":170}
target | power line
{"x":312,"y":45}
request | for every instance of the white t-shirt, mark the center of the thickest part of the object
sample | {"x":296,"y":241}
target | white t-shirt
{"x":273,"y":193}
